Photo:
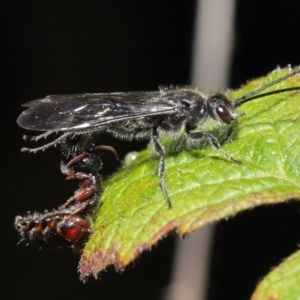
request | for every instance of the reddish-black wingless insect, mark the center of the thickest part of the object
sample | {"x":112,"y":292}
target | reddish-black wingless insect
{"x":141,"y":115}
{"x":70,"y":224}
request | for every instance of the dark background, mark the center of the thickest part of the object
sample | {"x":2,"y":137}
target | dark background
{"x":59,"y":47}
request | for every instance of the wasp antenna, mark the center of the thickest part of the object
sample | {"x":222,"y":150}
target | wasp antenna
{"x":248,"y":96}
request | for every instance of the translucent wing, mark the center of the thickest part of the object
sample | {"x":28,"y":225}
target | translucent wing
{"x":84,"y":111}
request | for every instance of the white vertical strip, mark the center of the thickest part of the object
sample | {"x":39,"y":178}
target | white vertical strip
{"x":211,"y":62}
{"x":213,"y":42}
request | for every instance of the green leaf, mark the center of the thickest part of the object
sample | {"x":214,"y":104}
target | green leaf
{"x":203,"y":185}
{"x":282,"y":283}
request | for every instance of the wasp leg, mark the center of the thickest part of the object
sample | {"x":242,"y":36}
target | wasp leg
{"x":54,"y":143}
{"x":162,"y":166}
{"x":214,"y":142}
{"x":37,"y":137}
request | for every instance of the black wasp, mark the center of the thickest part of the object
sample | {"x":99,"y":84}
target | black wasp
{"x":140,"y":115}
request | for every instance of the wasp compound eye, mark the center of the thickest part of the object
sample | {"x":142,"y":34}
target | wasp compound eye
{"x":221,"y":109}
{"x":223,"y":113}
